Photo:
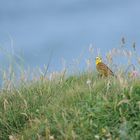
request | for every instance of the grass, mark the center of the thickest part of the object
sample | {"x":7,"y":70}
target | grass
{"x":71,"y":108}
{"x":79,"y":107}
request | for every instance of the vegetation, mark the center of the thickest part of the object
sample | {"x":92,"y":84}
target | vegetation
{"x":72,"y":108}
{"x":79,"y":107}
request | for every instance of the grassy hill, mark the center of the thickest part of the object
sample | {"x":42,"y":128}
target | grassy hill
{"x":80,"y":107}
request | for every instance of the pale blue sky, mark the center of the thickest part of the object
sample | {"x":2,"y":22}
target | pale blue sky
{"x":66,"y":27}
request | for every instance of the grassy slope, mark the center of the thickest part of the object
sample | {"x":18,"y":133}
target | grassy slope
{"x":72,"y":109}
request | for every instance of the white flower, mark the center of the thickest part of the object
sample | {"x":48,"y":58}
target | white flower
{"x":97,"y":137}
{"x":51,"y":137}
{"x":88,"y":82}
{"x":11,"y":137}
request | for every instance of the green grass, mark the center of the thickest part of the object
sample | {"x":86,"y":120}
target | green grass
{"x":72,"y":109}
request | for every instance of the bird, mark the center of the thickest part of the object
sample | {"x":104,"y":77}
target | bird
{"x":102,"y":68}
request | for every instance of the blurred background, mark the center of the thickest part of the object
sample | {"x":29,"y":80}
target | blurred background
{"x":60,"y":31}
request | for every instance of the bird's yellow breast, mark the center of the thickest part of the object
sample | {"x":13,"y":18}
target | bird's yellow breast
{"x":98,"y":61}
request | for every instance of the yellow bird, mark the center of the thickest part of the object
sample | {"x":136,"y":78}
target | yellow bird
{"x":102,"y":68}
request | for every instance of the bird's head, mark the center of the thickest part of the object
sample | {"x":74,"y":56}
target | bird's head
{"x":98,"y":60}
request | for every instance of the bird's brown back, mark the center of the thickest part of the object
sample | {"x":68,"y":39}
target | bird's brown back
{"x":104,"y":70}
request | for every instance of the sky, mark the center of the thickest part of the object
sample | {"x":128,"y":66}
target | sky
{"x":36,"y":30}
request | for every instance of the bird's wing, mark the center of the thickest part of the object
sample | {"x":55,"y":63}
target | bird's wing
{"x":105,"y":68}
